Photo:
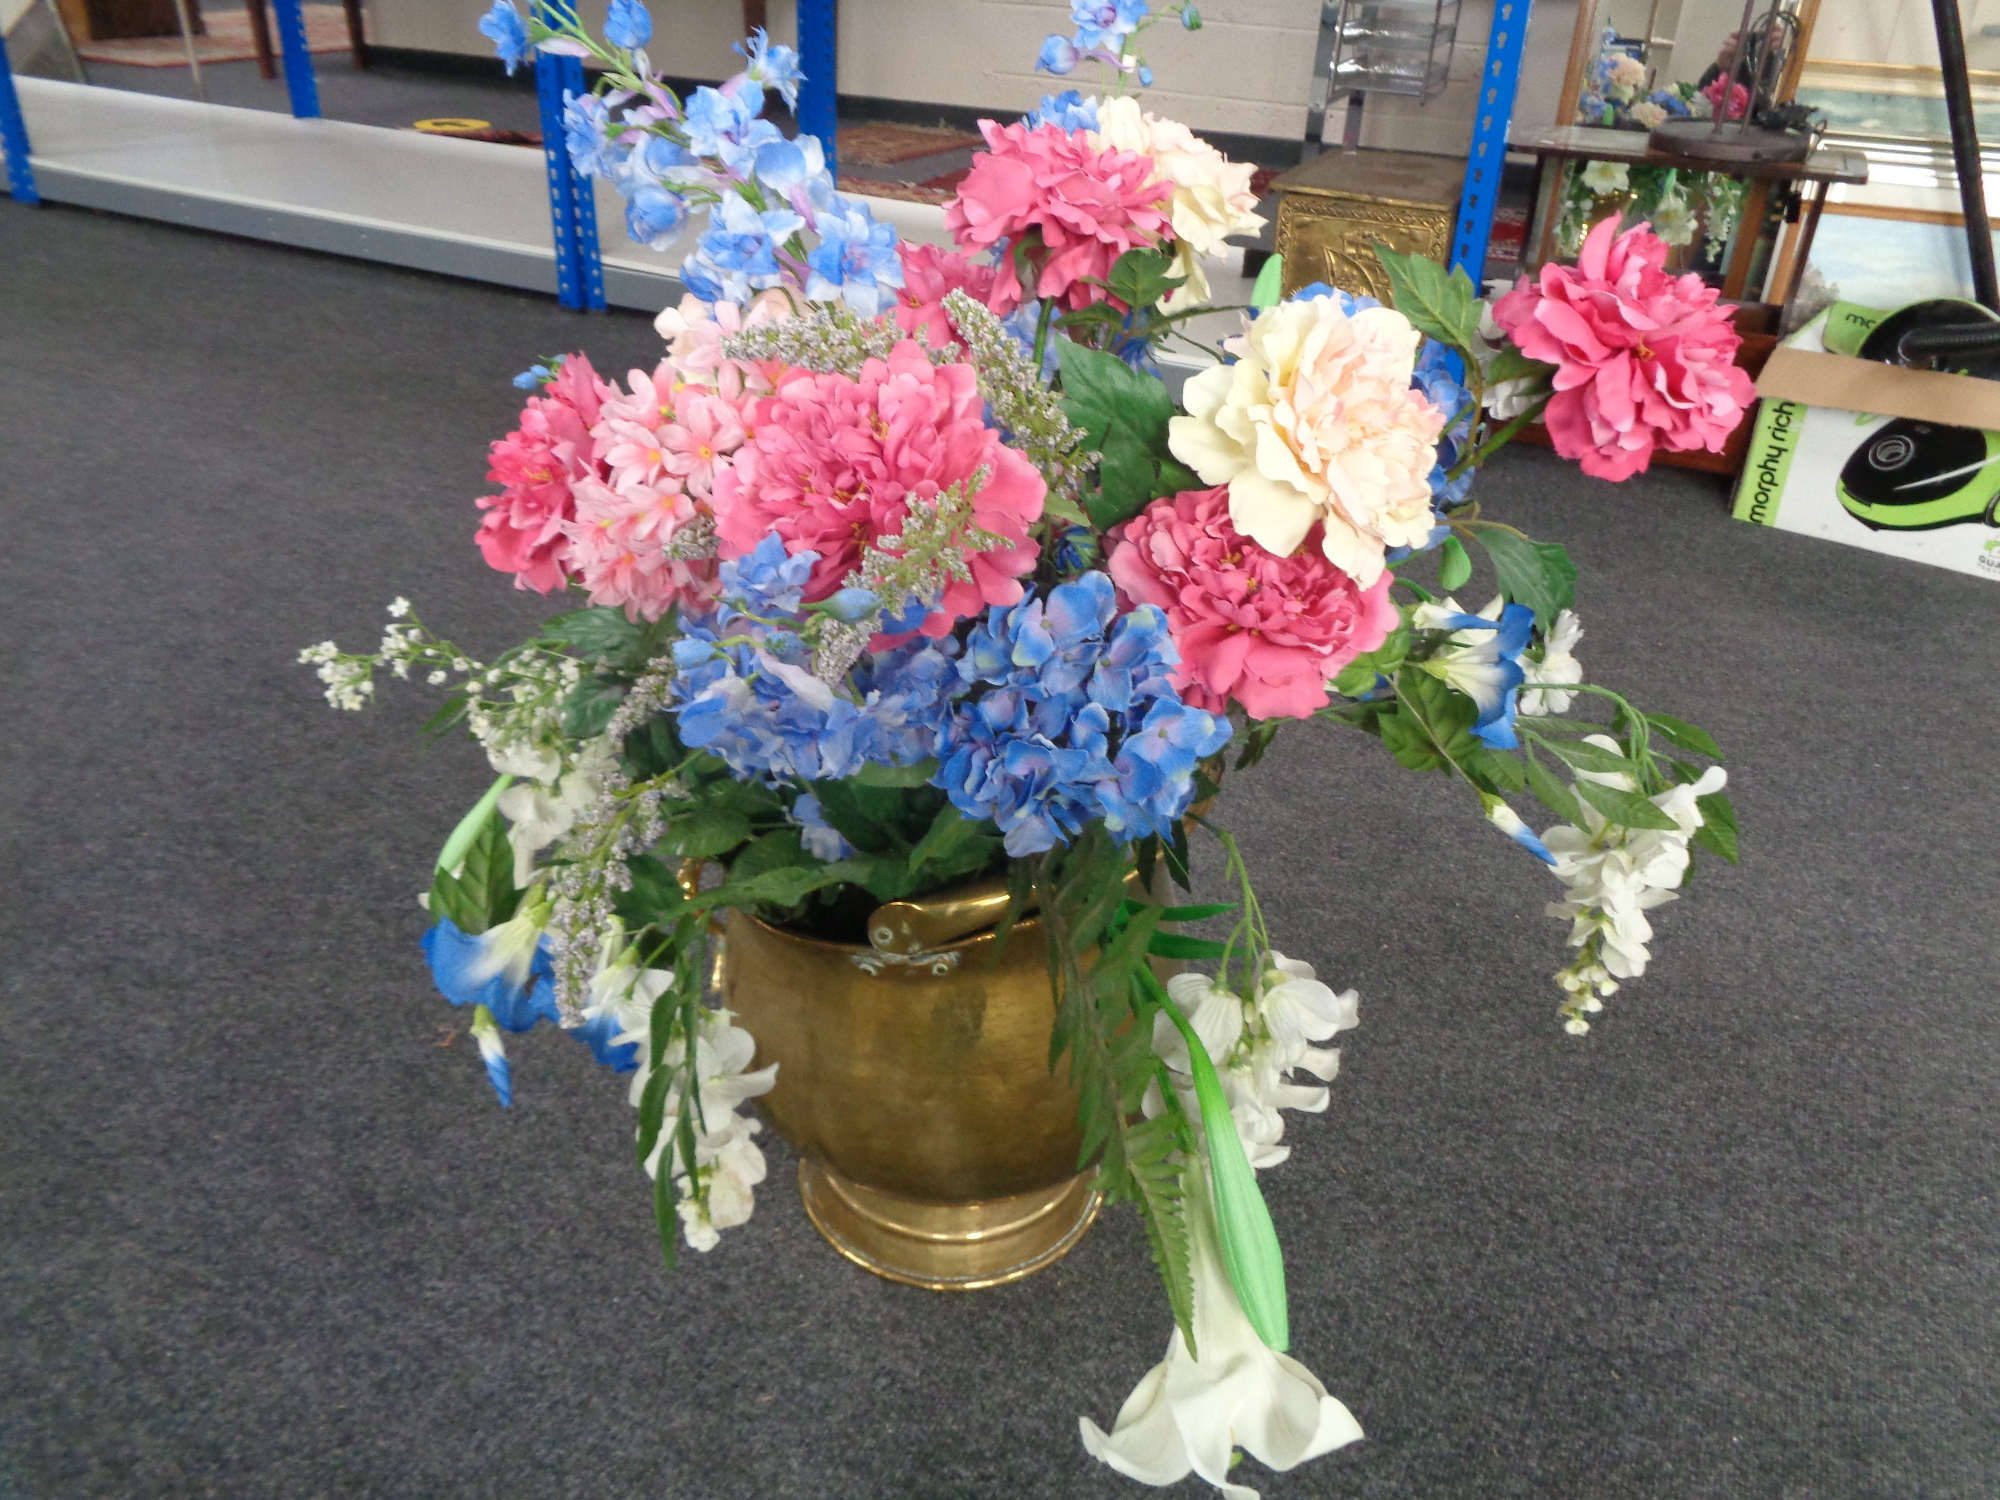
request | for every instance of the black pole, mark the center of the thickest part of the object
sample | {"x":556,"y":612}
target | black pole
{"x":1965,"y":152}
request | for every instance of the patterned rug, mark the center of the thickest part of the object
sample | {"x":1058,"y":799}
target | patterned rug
{"x":878,"y":143}
{"x":228,"y":40}
{"x":939,"y":190}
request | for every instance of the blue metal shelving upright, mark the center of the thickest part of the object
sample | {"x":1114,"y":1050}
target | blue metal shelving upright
{"x":300,"y":81}
{"x":1487,"y":161}
{"x":14,"y":136}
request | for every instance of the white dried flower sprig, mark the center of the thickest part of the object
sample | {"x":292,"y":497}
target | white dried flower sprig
{"x":1028,"y":409}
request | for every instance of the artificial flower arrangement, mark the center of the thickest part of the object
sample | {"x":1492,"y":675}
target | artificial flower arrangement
{"x":903,"y":568}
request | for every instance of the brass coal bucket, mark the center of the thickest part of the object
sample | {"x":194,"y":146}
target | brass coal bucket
{"x":938,"y":1149}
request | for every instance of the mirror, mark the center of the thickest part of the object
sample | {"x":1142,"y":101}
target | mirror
{"x":1635,"y":62}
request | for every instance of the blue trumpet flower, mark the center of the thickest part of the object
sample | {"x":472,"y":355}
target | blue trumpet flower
{"x":1482,"y":661}
{"x":494,"y":1051}
{"x":506,"y":969}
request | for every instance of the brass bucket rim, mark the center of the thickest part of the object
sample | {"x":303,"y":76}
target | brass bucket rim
{"x":1028,"y":922}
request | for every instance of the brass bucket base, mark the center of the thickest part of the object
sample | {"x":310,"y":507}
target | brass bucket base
{"x":947,"y":1247}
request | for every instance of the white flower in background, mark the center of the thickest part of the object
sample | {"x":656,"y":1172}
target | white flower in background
{"x":1603,"y":177}
{"x":1615,"y":876}
{"x":729,"y":1163}
{"x":543,"y":810}
{"x":1506,"y":399}
{"x":1211,"y":199}
{"x":1672,"y":222}
{"x":1557,"y":669}
{"x":1648,"y":114}
{"x":1255,"y":1045}
{"x":1191,"y":1414}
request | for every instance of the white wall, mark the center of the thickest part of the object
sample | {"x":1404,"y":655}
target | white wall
{"x":1247,"y":71}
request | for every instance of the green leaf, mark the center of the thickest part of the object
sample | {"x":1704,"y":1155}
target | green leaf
{"x":1537,"y":574}
{"x":1180,"y":945}
{"x":1511,"y":364}
{"x":1175,"y":477}
{"x":1685,"y":735}
{"x":1181,"y":913}
{"x":775,"y":850}
{"x":1439,"y":305}
{"x":1454,"y":565}
{"x":1176,"y":851}
{"x":600,"y":631}
{"x":590,"y":705}
{"x":470,"y":825}
{"x":866,"y":816}
{"x":654,"y":896}
{"x":1360,"y":674}
{"x":705,"y":832}
{"x":1250,"y":1252}
{"x":1628,"y":809}
{"x":1556,"y":797}
{"x":952,"y":840}
{"x":1718,"y":828}
{"x":1589,"y":757}
{"x":1125,"y":476}
{"x":786,"y":887}
{"x":876,"y":773}
{"x":1498,"y":767}
{"x":1139,"y":278}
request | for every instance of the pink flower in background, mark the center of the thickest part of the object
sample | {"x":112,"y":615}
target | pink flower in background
{"x":930,"y":274}
{"x":1643,"y":359}
{"x":832,"y":461}
{"x":618,"y":539}
{"x":1739,"y":99}
{"x":1087,"y":206}
{"x":1266,"y":630}
{"x":538,"y":465}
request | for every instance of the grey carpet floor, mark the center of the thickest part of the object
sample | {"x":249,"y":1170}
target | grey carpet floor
{"x":262,"y":1235}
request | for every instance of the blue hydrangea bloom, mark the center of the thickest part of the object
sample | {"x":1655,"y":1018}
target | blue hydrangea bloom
{"x":1349,"y":302}
{"x":1106,"y":23}
{"x":818,"y":837}
{"x":471,"y":970}
{"x":1671,"y":102}
{"x":1034,"y":751}
{"x":755,"y":703}
{"x":1068,"y":110}
{"x":738,"y":253}
{"x":856,"y":259}
{"x":1437,"y":378}
{"x":1058,"y":56}
{"x":774,"y":66}
{"x":504,"y":27}
{"x":627,"y":25}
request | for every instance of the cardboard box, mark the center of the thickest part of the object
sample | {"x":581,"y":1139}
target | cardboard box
{"x":1916,"y":474}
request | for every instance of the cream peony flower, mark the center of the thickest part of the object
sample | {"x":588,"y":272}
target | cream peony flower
{"x":1317,"y":422}
{"x":1212,"y":197}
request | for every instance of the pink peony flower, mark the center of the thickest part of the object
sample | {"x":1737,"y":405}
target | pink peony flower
{"x":1266,"y":630}
{"x":1087,"y":206}
{"x":538,"y":466}
{"x":618,"y":539}
{"x":832,"y":463}
{"x":931,"y":274}
{"x":1643,"y":359}
{"x":1739,"y":99}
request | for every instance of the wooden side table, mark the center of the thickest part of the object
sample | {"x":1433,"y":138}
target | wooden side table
{"x":1563,"y":144}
